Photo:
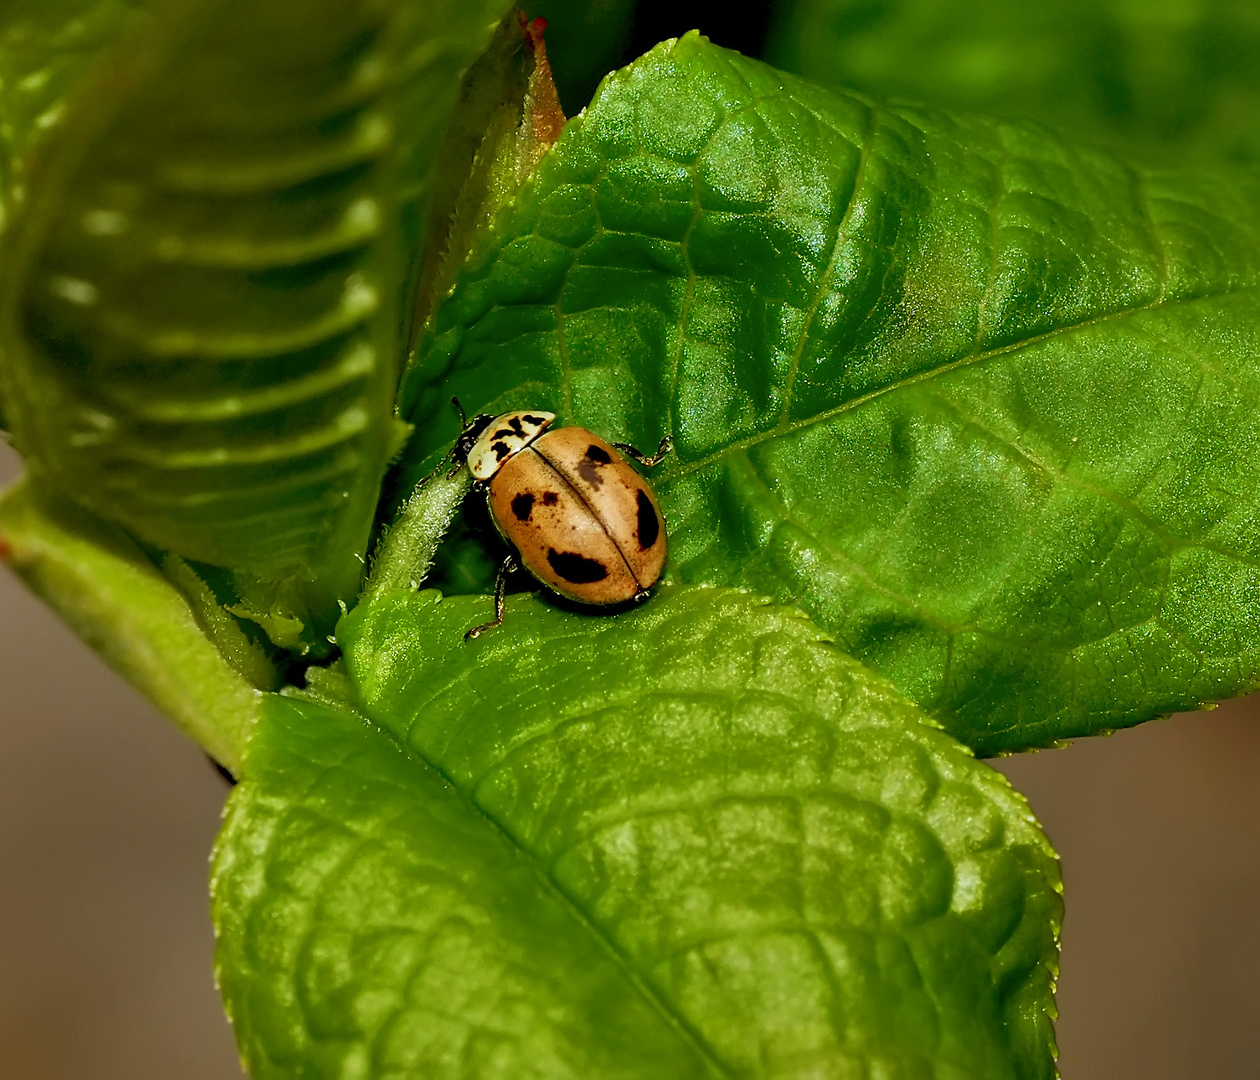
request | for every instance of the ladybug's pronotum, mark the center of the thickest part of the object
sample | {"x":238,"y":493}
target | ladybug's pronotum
{"x":581,"y":520}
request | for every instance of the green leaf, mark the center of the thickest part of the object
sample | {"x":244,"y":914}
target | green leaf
{"x":979,"y":400}
{"x":117,"y":601}
{"x":207,"y":294}
{"x":489,"y":149}
{"x":1158,"y":78}
{"x":693,"y":839}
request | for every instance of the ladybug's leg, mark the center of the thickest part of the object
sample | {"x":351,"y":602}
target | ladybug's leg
{"x":667,"y":444}
{"x":500,"y":589}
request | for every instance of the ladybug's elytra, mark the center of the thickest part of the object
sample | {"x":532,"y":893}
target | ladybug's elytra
{"x":580,"y":518}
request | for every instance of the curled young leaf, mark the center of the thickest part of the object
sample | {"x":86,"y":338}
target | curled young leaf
{"x":205,"y":295}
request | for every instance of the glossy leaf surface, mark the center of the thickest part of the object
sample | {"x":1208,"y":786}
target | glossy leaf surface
{"x":207,"y":291}
{"x":690,"y":840}
{"x":980,"y":400}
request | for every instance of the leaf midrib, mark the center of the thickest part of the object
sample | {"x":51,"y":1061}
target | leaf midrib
{"x":968,"y":360}
{"x":655,"y":1001}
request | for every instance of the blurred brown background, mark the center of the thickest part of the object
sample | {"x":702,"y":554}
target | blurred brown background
{"x":107,"y":816}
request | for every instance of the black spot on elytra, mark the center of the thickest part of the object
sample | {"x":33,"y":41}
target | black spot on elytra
{"x":588,"y":467}
{"x":576,"y":568}
{"x":550,"y":498}
{"x":589,"y":472}
{"x":649,"y":528}
{"x":523,"y":505}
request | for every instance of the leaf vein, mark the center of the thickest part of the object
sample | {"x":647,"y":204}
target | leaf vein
{"x":824,"y":284}
{"x":926,"y":376}
{"x":665,"y":1009}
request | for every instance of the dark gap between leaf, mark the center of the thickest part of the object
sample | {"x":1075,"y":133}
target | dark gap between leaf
{"x":656,"y":20}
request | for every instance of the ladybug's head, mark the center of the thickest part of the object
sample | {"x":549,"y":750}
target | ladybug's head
{"x":470,"y":432}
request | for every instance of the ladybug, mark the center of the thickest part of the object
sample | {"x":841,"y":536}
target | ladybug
{"x":580,"y":519}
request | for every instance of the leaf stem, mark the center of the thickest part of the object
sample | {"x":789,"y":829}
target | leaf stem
{"x":117,"y":601}
{"x":405,"y":552}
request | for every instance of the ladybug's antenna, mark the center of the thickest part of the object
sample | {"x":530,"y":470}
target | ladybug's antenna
{"x":463,"y":416}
